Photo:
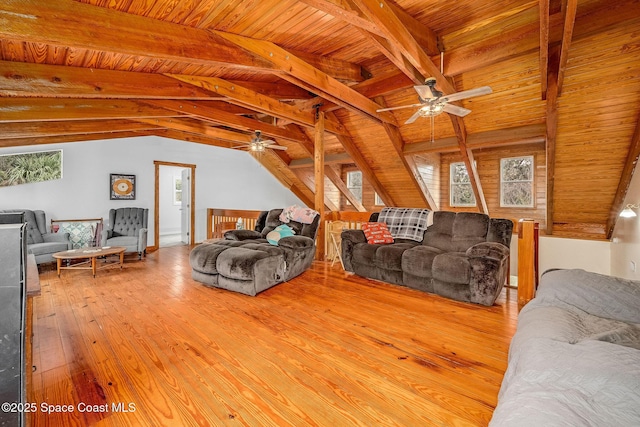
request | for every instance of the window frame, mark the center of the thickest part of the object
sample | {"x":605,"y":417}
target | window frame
{"x":351,"y":187}
{"x":175,"y":191}
{"x":456,"y":184}
{"x":531,"y":181}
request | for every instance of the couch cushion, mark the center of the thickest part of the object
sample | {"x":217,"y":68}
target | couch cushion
{"x":389,"y":257}
{"x":238,"y":263}
{"x":418,"y":261}
{"x":469,"y":228}
{"x":452,"y":267}
{"x":203,"y":257}
{"x":364,"y":253}
{"x":438,"y":235}
{"x":377,"y":233}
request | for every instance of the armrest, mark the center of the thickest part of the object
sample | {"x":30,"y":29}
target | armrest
{"x":354,"y":236}
{"x":350,"y":238}
{"x":106,"y":234}
{"x":142,"y":240}
{"x":296,"y":242}
{"x":242,"y":235}
{"x":55,"y":237}
{"x":488,"y":250}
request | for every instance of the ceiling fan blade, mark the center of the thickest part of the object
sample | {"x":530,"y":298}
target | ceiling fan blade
{"x":276,"y":147}
{"x":484,"y":90}
{"x":455,"y":110}
{"x":399,"y":108}
{"x":425,"y":92}
{"x":414,"y":117}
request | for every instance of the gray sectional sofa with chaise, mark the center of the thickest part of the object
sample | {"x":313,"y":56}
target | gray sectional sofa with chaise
{"x":244,"y":261}
{"x":463,"y":256}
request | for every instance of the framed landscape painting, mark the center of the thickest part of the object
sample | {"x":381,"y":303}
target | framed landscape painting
{"x":26,"y":168}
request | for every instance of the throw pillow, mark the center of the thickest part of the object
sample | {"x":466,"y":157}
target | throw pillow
{"x":278,"y":233}
{"x":377,"y":233}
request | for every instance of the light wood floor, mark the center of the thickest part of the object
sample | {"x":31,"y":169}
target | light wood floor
{"x":325,"y":349}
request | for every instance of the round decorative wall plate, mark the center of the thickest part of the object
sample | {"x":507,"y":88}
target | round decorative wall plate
{"x":122,"y":187}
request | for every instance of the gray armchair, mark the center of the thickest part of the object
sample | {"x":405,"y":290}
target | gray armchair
{"x":127,"y":227}
{"x":40,"y":242}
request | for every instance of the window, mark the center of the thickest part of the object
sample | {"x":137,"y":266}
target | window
{"x":177,"y":190}
{"x":378,"y":200}
{"x":516,"y":182}
{"x":461,"y":193}
{"x":354,"y":183}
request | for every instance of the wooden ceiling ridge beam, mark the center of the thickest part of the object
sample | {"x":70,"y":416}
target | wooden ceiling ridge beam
{"x":402,"y":39}
{"x":348,"y":12}
{"x":246,"y":97}
{"x":630,"y":166}
{"x":299,"y":72}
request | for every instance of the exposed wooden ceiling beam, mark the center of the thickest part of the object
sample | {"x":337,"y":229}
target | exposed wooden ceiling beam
{"x":402,"y":39}
{"x":543,"y":7}
{"x":214,"y":115}
{"x":60,"y":139}
{"x":363,"y":166}
{"x":40,"y":129}
{"x":80,"y":25}
{"x":51,"y":109}
{"x":336,"y":179}
{"x":409,"y":164}
{"x":567,"y":35}
{"x":329,"y":159}
{"x":18,"y":79}
{"x":302,"y":74}
{"x":199,"y":127}
{"x":246,"y":97}
{"x":552,"y":130}
{"x":528,"y":134}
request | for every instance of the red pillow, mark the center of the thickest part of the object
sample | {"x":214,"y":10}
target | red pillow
{"x":377,"y":232}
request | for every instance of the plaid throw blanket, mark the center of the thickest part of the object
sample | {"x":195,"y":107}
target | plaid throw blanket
{"x":405,"y":223}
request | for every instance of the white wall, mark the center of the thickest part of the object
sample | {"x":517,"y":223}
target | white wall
{"x":590,"y":255}
{"x":224,"y":179}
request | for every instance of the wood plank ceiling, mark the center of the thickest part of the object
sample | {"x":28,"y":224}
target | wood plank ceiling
{"x":565,"y":74}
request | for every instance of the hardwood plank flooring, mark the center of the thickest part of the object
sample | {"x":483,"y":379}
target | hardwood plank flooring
{"x":149,"y":346}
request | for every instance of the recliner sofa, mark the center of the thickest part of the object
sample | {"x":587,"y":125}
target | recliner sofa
{"x":246,"y":262}
{"x":40,"y":242}
{"x":463,"y":256}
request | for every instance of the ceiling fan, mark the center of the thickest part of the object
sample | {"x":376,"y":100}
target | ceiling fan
{"x":434,"y":102}
{"x":259,"y":145}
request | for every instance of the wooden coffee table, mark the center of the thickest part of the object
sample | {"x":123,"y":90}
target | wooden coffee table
{"x":91,"y":255}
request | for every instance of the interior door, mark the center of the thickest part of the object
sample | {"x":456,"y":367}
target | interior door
{"x":185,"y":209}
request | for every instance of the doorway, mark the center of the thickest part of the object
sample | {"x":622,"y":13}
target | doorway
{"x":174,"y":204}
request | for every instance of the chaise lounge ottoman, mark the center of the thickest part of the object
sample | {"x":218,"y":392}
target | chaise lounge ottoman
{"x":246,"y":262}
